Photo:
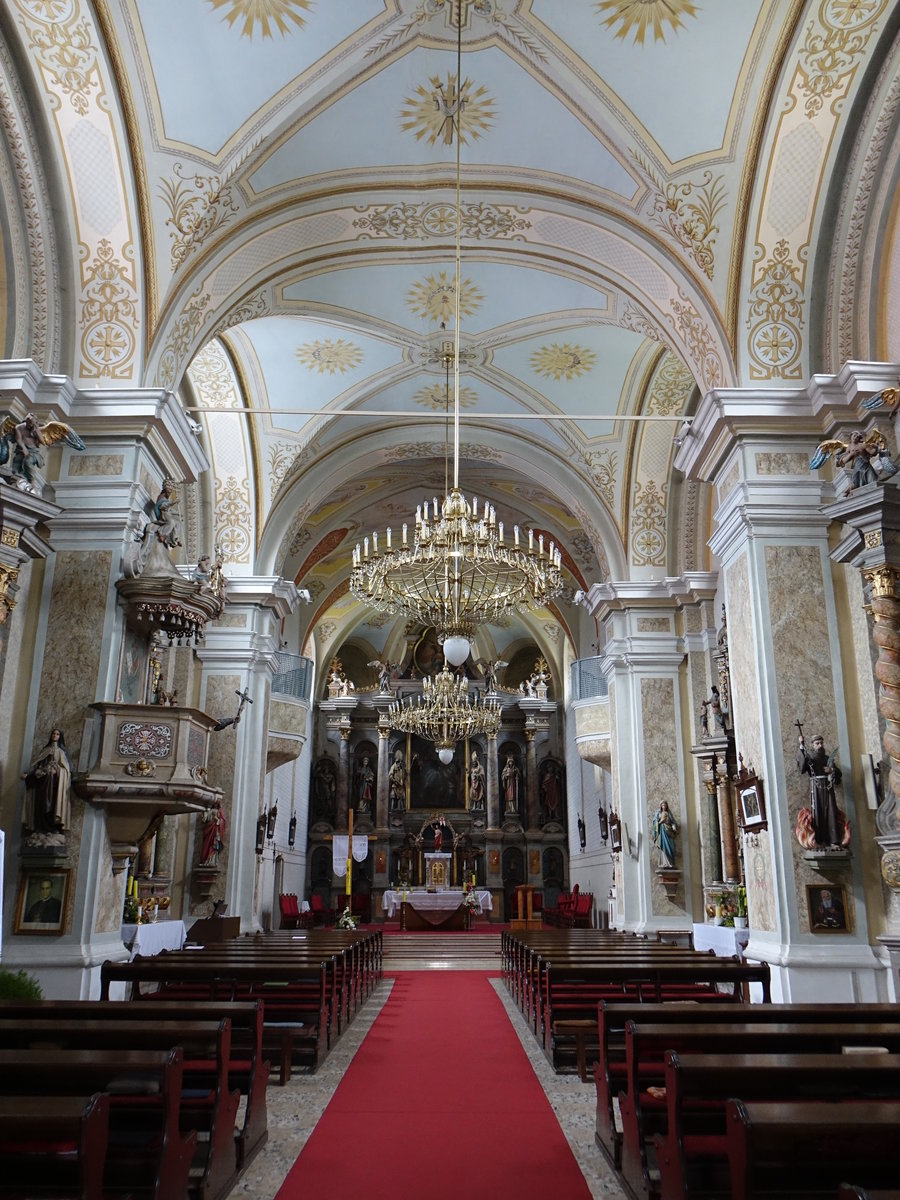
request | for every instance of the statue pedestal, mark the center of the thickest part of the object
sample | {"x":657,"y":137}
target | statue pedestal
{"x":438,"y":872}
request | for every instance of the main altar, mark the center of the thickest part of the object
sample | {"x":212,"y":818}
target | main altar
{"x":436,"y":910}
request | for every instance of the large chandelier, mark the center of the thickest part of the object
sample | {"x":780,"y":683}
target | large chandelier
{"x":460,"y":568}
{"x":444,"y":713}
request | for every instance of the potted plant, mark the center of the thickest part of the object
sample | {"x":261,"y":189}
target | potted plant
{"x":740,"y":910}
{"x":19,"y":985}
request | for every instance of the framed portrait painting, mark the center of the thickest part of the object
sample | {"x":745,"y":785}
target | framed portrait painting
{"x":615,"y":832}
{"x":827,"y":905}
{"x":752,"y":805}
{"x":41,"y":906}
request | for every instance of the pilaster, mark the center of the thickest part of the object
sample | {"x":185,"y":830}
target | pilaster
{"x":773,"y":538}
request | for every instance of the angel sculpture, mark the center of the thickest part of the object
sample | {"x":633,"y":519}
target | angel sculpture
{"x":889,"y":396}
{"x":23,"y":443}
{"x":384,"y":670}
{"x":865,"y":457}
{"x":489,"y":668}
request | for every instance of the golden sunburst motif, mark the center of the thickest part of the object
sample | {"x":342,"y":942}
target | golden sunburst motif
{"x":435,"y":397}
{"x":268,"y":14}
{"x":432,"y":111}
{"x":329,"y":356}
{"x":563,"y":362}
{"x":435,"y":298}
{"x":644,"y":15}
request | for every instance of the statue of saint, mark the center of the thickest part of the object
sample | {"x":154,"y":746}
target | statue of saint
{"x":48,"y":781}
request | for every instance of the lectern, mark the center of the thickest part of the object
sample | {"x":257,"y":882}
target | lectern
{"x":524,"y":918}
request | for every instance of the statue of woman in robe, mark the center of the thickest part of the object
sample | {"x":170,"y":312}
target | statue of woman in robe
{"x":48,"y":781}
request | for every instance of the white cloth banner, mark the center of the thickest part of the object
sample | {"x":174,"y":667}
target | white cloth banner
{"x":340,"y":847}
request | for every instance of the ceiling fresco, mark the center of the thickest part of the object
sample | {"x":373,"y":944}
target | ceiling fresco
{"x":638,"y":184}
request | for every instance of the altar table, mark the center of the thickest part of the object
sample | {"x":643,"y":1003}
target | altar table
{"x":155,"y":937}
{"x":440,"y":904}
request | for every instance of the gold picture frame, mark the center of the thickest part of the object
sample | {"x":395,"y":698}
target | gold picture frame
{"x":827,"y":907}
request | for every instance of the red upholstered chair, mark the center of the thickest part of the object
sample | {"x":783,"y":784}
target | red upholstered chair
{"x":361,"y":906}
{"x":584,"y":903}
{"x":290,"y":910}
{"x":320,"y":914}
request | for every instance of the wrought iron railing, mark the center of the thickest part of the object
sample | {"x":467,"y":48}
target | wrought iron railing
{"x":293,"y":676}
{"x":588,"y":681}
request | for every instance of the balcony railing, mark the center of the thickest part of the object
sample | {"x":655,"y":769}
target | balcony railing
{"x":293,"y":676}
{"x":588,"y":681}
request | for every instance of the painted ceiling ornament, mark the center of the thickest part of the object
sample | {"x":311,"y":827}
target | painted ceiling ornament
{"x":435,"y":397}
{"x":329,"y":356}
{"x":435,"y":298}
{"x":641,"y":16}
{"x":775,"y":318}
{"x":834,"y":47}
{"x":687,"y":211}
{"x":432,"y":111}
{"x":563,"y":361}
{"x":285,"y":16}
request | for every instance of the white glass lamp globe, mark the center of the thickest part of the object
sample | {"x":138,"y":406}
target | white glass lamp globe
{"x":456,"y":650}
{"x":445,"y":755}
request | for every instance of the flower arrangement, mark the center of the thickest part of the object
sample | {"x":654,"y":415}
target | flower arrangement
{"x":470,"y":900}
{"x":347,"y":920}
{"x":131,"y":911}
{"x":740,"y":909}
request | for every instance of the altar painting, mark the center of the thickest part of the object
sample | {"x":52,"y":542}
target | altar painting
{"x":433,"y":785}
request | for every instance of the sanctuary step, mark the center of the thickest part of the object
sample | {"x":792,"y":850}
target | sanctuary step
{"x":444,"y":951}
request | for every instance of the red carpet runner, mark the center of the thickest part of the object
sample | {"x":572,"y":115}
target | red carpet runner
{"x":440,"y":1103}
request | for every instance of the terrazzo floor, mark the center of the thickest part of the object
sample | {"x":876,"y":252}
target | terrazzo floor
{"x":294,"y":1109}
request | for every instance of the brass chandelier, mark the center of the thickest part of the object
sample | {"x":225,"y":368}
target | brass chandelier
{"x":444,"y":713}
{"x":460,"y":568}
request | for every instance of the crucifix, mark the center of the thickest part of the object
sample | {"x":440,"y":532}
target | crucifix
{"x":243,"y":698}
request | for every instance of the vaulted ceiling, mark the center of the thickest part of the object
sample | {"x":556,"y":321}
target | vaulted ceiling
{"x":640,"y":185}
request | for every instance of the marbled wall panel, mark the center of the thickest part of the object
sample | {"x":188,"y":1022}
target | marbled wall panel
{"x":803,"y":680}
{"x":659,"y":742}
{"x":654,"y":625}
{"x":591,"y":719}
{"x":747,"y":705}
{"x":783,"y":464}
{"x":96,"y":464}
{"x":730,"y":481}
{"x":68,"y":685}
{"x":288,"y":718}
{"x":615,"y":800}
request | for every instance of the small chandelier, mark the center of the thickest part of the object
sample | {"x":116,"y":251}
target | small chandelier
{"x":459,"y":570}
{"x":444,"y":713}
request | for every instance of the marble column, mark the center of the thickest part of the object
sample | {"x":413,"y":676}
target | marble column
{"x":343,"y":783}
{"x":788,"y":660}
{"x":381,"y":798}
{"x":493,"y":784}
{"x":532,"y":813}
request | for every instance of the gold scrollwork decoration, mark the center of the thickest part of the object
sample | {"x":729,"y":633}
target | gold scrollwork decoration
{"x":109,"y":315}
{"x":775,"y":318}
{"x":884,"y":582}
{"x":9,"y":537}
{"x":833,"y":48}
{"x":8,"y":578}
{"x":873,"y":538}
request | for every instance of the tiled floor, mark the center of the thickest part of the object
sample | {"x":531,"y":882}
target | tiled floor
{"x":295,"y":1109}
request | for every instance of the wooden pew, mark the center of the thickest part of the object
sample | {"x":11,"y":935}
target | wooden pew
{"x":693,"y":1153}
{"x":780,"y":1148}
{"x":147,"y":1156}
{"x":53,"y":1145}
{"x":293,"y":991}
{"x":649,"y":1047}
{"x":205,"y":1105}
{"x":248,"y":1069}
{"x":612,"y":1016}
{"x":573,"y":990}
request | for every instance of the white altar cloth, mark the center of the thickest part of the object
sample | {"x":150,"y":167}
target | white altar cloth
{"x":151,"y":939}
{"x":446,"y":901}
{"x":723,"y":939}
